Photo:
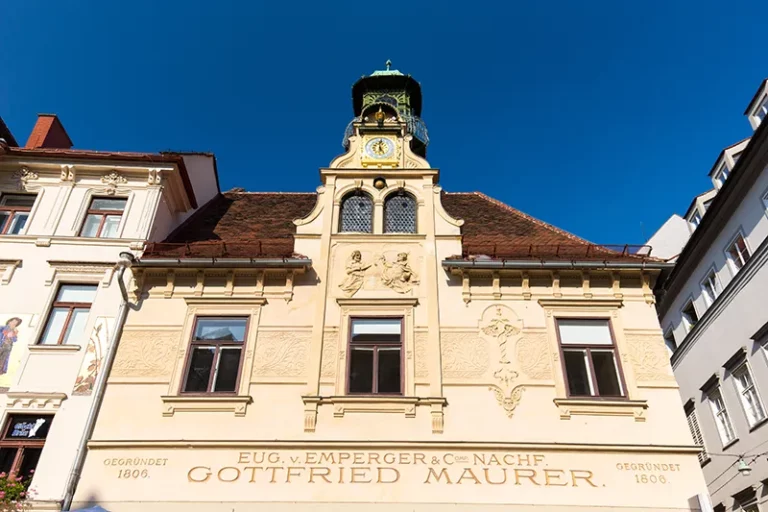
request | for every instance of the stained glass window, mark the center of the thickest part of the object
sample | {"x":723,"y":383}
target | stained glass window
{"x":357,"y":213}
{"x":400,"y":213}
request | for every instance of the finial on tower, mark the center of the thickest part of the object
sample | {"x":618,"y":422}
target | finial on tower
{"x":388,"y":64}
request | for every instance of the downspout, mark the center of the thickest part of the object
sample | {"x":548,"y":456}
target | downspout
{"x":126,"y":260}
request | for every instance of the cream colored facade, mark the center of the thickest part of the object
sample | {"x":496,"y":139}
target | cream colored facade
{"x":58,"y":379}
{"x":484,"y":421}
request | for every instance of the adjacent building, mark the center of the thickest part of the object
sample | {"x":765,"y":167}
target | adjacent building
{"x":713,"y":312}
{"x":65,"y":216}
{"x":382,"y":344}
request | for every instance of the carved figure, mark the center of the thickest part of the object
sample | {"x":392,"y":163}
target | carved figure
{"x":355,"y":274}
{"x":398,"y":275}
{"x":501,"y":329}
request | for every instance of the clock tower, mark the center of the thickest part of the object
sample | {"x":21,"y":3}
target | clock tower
{"x":387,"y":131}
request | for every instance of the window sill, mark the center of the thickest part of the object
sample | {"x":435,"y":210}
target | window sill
{"x":232,"y":403}
{"x":730,"y":443}
{"x":759,"y":424}
{"x":405,"y":405}
{"x":601,"y":407}
{"x":54,"y":348}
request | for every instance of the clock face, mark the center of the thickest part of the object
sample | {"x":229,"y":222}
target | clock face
{"x":380,"y":148}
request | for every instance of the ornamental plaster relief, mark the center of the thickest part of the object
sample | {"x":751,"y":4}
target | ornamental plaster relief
{"x":281,"y":354}
{"x":422,"y":364}
{"x":649,"y":357}
{"x":330,"y":349}
{"x":146,"y":354}
{"x":532,"y":351}
{"x":465,"y":356}
{"x":379,"y":268}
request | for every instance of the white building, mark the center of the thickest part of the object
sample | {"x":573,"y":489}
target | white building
{"x":65,"y":216}
{"x":713,"y":310}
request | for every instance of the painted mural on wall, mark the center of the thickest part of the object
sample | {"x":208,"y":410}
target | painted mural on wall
{"x":15,"y":332}
{"x":94,"y":356}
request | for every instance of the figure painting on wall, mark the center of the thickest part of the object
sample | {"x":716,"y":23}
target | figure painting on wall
{"x":355,"y":274}
{"x":13,"y":328}
{"x":8,"y":337}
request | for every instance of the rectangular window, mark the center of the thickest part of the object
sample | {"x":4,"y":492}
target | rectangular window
{"x":750,"y":400}
{"x":722,"y":419}
{"x":693,"y":425}
{"x":722,"y":174}
{"x":762,"y":110}
{"x":709,"y":288}
{"x":22,"y":443}
{"x":695,"y":218}
{"x":589,"y":357}
{"x":690,"y":318}
{"x":103,"y":218}
{"x":375,"y":356}
{"x":215,"y":355}
{"x":14,"y":212}
{"x":669,"y":341}
{"x":738,"y":254}
{"x":68,"y":315}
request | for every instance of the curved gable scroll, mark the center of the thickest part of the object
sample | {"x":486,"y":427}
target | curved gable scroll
{"x":442,"y":212}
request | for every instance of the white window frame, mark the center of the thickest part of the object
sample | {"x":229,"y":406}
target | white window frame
{"x":727,"y":253}
{"x":695,"y":214}
{"x":686,"y":324}
{"x":721,"y":415}
{"x":762,"y":105}
{"x":718,"y":289}
{"x":669,"y":333}
{"x":695,"y":428}
{"x":765,"y":202}
{"x":722,"y":174}
{"x":745,"y":367}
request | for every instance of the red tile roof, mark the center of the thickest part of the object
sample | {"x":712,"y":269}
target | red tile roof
{"x":248,"y":224}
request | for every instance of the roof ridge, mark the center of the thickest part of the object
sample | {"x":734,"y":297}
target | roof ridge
{"x":268,"y":193}
{"x":530,"y":218}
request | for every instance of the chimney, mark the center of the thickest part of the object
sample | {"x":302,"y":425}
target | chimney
{"x":48,"y":133}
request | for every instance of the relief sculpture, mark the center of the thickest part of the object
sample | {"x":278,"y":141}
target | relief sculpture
{"x":355,"y":274}
{"x":465,"y":355}
{"x":533,"y":356}
{"x":146,"y":354}
{"x":328,"y":365}
{"x":503,"y":331}
{"x":281,"y":354}
{"x":649,"y":358}
{"x":396,"y":275}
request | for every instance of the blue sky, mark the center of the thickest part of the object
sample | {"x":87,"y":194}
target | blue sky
{"x":600,"y":117}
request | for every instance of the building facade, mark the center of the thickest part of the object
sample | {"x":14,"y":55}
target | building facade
{"x":383,"y":344}
{"x":712,"y":310}
{"x":65,"y":216}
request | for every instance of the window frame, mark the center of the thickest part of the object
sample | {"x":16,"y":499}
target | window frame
{"x":348,"y":370}
{"x":190,"y":350}
{"x":739,"y":234}
{"x":13,"y":210}
{"x":593,"y":383}
{"x":724,"y":411}
{"x":669,"y":335}
{"x":104,"y":214}
{"x":762,"y":107}
{"x":717,"y":288}
{"x":22,"y":444}
{"x":695,"y":214}
{"x":744,"y":366}
{"x":683,"y":316}
{"x":347,"y":196}
{"x":722,"y":174}
{"x":392,"y":195}
{"x":690,"y":413}
{"x":72,"y":306}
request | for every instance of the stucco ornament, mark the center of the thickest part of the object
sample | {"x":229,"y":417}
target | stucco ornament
{"x":398,"y":275}
{"x":24,"y":176}
{"x":503,"y":331}
{"x":355,"y":274}
{"x":112,"y":180}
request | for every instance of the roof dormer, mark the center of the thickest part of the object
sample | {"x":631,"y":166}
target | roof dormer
{"x":726,"y":162}
{"x":757,"y":110}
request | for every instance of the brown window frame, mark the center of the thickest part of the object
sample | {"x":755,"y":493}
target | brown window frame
{"x":193,"y":343}
{"x":593,"y":381}
{"x":21,"y":444}
{"x":13,"y":210}
{"x":72,"y":307}
{"x":103,"y":213}
{"x":375,"y":357}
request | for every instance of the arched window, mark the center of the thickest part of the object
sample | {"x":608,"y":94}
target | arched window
{"x":357,"y":213}
{"x":400,"y":213}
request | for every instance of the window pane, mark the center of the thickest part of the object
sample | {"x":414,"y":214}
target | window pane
{"x":18,"y":200}
{"x":577,"y":372}
{"x":109,"y":229}
{"x":7,"y":456}
{"x":83,"y":293}
{"x":200,"y":365}
{"x":108,"y":204}
{"x":606,"y":373}
{"x":381,"y":330}
{"x":400,"y":214}
{"x":76,"y":328}
{"x":389,"y":370}
{"x":91,"y":225}
{"x":29,"y":463}
{"x":17,"y":223}
{"x":584,"y":332}
{"x":357,"y":214}
{"x":4,"y":216}
{"x":227,"y":369}
{"x":29,"y":426}
{"x":361,"y":370}
{"x":56,"y":320}
{"x":220,"y":329}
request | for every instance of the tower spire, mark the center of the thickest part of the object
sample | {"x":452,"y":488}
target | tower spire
{"x":388,"y":64}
